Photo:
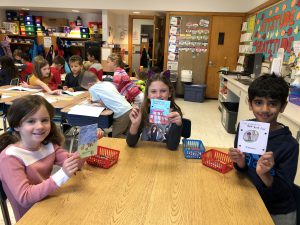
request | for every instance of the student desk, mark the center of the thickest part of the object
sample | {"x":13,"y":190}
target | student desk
{"x":151,"y":185}
{"x":104,"y":120}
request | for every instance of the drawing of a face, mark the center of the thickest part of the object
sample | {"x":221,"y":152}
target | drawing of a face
{"x":251,"y":136}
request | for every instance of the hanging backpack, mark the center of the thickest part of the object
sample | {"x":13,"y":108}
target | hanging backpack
{"x":49,"y":56}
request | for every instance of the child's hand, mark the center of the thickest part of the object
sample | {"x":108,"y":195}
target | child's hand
{"x":175,"y":117}
{"x":71,"y":164}
{"x":237,"y":157}
{"x":55,"y":92}
{"x":24,"y":84}
{"x":71,"y":89}
{"x":100,"y":133}
{"x":135,"y":116}
{"x":65,"y":88}
{"x":265,"y":163}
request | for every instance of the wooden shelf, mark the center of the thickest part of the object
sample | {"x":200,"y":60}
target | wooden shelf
{"x":15,"y":43}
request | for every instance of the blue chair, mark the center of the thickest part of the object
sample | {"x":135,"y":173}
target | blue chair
{"x":4,"y":208}
{"x":297,"y":197}
{"x":186,"y":128}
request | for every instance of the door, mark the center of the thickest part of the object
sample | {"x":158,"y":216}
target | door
{"x":224,"y":45}
{"x":158,"y":41}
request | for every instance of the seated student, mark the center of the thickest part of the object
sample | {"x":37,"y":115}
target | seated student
{"x":41,"y":76}
{"x":17,"y":55}
{"x":72,"y":79}
{"x":105,"y":92}
{"x":273,"y":172}
{"x":55,"y":69}
{"x":123,"y":83}
{"x":158,"y":86}
{"x":28,"y":67}
{"x":8,"y":70}
{"x":93,"y":55}
{"x":28,"y":152}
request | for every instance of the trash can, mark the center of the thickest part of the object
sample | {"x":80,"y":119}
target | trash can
{"x":194,"y":93}
{"x":229,"y":111}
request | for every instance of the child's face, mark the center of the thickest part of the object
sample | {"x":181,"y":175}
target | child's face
{"x":90,"y":58}
{"x":159,"y":90}
{"x":34,"y":129}
{"x":45,"y":70}
{"x":17,"y":57}
{"x":266,"y":109}
{"x":75,"y":67}
{"x":110,"y":64}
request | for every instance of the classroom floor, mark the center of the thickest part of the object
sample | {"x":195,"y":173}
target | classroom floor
{"x":206,"y":126}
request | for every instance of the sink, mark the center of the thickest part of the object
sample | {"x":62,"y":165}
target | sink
{"x":246,"y":81}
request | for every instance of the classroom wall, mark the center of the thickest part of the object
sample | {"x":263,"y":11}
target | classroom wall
{"x":156,"y":5}
{"x":277,"y":27}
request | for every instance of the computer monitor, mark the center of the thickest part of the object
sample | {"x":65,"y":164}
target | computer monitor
{"x":252,"y":63}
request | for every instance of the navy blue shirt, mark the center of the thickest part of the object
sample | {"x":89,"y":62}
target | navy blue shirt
{"x":279,"y":198}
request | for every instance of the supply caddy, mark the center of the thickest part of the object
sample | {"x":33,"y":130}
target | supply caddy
{"x":217,"y":160}
{"x":192,"y":149}
{"x":105,"y":157}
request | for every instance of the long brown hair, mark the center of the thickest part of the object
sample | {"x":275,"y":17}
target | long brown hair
{"x":38,"y":63}
{"x":146,"y":103}
{"x":21,"y":109}
{"x":117,"y":60}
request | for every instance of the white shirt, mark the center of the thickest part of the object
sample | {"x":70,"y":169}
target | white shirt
{"x":107,"y":93}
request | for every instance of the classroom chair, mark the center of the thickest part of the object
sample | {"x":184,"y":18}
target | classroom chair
{"x":297,"y":197}
{"x":186,"y":128}
{"x":4,"y":208}
{"x":15,"y":81}
{"x":27,"y":78}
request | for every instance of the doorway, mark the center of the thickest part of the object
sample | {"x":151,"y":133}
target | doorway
{"x":146,"y":42}
{"x":224,"y":48}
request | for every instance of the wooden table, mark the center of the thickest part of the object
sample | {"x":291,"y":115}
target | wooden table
{"x":151,"y":185}
{"x":10,"y":95}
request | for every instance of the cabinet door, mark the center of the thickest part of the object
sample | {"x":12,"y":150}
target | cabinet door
{"x":294,"y":128}
{"x":244,"y":112}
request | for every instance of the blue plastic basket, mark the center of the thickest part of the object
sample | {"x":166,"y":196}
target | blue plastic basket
{"x":192,"y":149}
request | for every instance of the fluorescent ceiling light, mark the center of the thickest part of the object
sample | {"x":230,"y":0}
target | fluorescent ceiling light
{"x":136,"y":12}
{"x":75,"y":10}
{"x":25,"y":9}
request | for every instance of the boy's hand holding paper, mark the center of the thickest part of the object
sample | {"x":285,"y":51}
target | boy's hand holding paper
{"x":253,"y":137}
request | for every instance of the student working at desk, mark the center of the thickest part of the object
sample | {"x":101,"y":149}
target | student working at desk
{"x":158,"y":86}
{"x":106,"y":93}
{"x":73,"y":78}
{"x":41,"y":76}
{"x":8,"y":70}
{"x":123,"y":83}
{"x":29,"y":151}
{"x":274,"y":172}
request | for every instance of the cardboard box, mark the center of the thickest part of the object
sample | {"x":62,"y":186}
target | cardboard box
{"x":54,"y":22}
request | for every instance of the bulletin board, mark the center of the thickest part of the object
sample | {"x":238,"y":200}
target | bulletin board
{"x":277,"y":27}
{"x":188,"y":39}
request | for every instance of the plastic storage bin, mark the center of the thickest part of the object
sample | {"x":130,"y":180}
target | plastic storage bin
{"x":192,"y":149}
{"x":229,"y":111}
{"x":105,"y":158}
{"x":194,"y":93}
{"x":217,"y":160}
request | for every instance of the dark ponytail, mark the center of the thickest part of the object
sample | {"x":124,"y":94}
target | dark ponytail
{"x":6,"y":139}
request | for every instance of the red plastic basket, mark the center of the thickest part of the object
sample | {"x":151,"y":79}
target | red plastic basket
{"x":105,"y":158}
{"x":217,"y":160}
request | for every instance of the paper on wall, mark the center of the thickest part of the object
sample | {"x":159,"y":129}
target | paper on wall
{"x":171,"y":56}
{"x":172,"y":39}
{"x":172,"y":48}
{"x":172,"y":65}
{"x":173,"y":30}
